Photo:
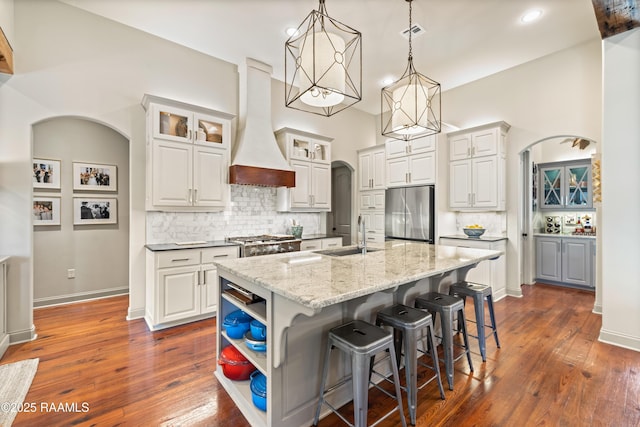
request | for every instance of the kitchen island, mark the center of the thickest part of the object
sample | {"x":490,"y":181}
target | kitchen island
{"x":304,"y":294}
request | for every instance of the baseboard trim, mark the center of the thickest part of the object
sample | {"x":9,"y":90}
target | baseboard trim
{"x":80,"y":296}
{"x":135,"y":313}
{"x":619,"y":340}
{"x":18,"y":337}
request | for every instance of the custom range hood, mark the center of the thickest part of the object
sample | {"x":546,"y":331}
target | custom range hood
{"x":257,"y":159}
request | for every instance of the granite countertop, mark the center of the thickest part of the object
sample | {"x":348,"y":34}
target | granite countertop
{"x":481,"y":238}
{"x":192,"y":245}
{"x":315,"y":280}
{"x":572,"y":236}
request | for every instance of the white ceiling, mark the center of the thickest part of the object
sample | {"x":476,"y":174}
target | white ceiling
{"x":465,"y":40}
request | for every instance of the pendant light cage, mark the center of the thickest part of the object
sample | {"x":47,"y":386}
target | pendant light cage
{"x":323,"y":65}
{"x":410,"y":107}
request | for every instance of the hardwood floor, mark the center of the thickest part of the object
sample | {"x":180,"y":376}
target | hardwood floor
{"x":551,"y":370}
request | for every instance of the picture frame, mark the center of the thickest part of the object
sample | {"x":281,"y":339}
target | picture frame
{"x":46,"y":210}
{"x":95,"y":210}
{"x":94,"y":177}
{"x":46,"y":173}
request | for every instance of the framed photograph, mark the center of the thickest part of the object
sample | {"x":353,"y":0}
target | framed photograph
{"x":95,"y":210}
{"x":94,"y":177}
{"x":46,"y":173}
{"x":46,"y":210}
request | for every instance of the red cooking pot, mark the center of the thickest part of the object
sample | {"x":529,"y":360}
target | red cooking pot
{"x":234,"y":365}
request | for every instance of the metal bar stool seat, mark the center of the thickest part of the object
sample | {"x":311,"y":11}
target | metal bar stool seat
{"x":479,"y":293}
{"x":407,"y":322}
{"x":447,"y":306}
{"x":360,"y":340}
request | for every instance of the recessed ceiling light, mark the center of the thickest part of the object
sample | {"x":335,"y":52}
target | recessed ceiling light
{"x":291,"y":31}
{"x":531,"y":16}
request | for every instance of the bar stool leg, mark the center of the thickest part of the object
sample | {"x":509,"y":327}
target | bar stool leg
{"x":434,"y":359}
{"x":360,"y":381}
{"x":396,"y":380}
{"x":410,"y":363}
{"x":325,"y":372}
{"x":493,"y":319}
{"x":466,"y":339}
{"x":447,"y":342}
{"x":478,"y":306}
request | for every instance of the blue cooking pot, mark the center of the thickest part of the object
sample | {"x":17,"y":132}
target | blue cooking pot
{"x":237,"y":323}
{"x":258,"y":330}
{"x":259,"y":390}
{"x":253,"y":343}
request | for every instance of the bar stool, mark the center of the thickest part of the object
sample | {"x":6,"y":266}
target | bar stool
{"x":406,"y":322}
{"x":447,"y":306}
{"x":360,"y":340}
{"x":479,"y":293}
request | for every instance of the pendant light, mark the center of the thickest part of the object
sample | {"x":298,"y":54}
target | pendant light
{"x":411,"y":105}
{"x":323,"y":65}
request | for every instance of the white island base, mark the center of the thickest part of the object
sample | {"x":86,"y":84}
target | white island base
{"x":305,"y":295}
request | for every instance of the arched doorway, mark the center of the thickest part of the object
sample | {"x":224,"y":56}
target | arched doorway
{"x":77,"y":257}
{"x":557,"y":148}
{"x":340,"y":219}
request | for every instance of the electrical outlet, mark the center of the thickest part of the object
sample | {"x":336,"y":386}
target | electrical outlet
{"x":71,"y":273}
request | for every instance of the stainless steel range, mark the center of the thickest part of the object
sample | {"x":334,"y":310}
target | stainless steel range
{"x":266,"y":244}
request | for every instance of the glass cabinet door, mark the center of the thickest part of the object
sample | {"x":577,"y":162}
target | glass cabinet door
{"x":578,"y":186}
{"x":209,"y":131}
{"x":551,"y":187}
{"x":172,"y":124}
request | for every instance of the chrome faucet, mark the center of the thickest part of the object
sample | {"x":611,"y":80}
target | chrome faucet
{"x":362,"y":244}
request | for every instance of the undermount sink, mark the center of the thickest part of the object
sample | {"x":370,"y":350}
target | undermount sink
{"x":344,"y":252}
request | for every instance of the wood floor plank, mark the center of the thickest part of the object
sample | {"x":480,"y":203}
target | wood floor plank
{"x":551,"y":370}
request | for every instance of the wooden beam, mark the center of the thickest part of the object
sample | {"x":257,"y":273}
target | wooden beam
{"x":616,"y":16}
{"x":6,"y":54}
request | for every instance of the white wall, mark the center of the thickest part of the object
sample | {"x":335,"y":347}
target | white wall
{"x":101,"y":73}
{"x":620,"y":190}
{"x":6,"y":19}
{"x":99,"y":254}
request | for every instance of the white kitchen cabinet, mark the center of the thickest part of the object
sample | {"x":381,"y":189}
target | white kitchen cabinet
{"x":4,"y":335}
{"x":491,"y":272}
{"x":565,"y":185}
{"x":310,"y":157}
{"x":187,"y":156}
{"x":477,"y":168}
{"x":565,"y":260}
{"x":371,"y":168}
{"x":182,"y":285}
{"x":372,"y":200}
{"x":373,"y":225}
{"x":411,"y":162}
{"x":318,"y":244}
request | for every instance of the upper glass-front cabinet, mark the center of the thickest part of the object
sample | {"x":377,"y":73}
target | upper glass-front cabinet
{"x":566,"y":186}
{"x":186,"y":126}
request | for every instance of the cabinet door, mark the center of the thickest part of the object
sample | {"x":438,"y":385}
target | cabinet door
{"x":365,"y":173}
{"x":422,"y":145}
{"x":378,"y":167}
{"x":321,"y":186}
{"x":422,"y":168}
{"x":460,"y":147}
{"x":551,"y":187}
{"x":210,"y":131}
{"x":578,"y":186}
{"x":301,"y":192}
{"x":484,"y":143}
{"x":178,"y":293}
{"x":209,"y":289}
{"x":576,"y":257}
{"x":485,"y":182}
{"x":172,"y":124}
{"x":460,"y":184}
{"x":397,"y":172}
{"x":171,"y":177}
{"x":396,"y":148}
{"x":549,"y":259}
{"x":209,"y":171}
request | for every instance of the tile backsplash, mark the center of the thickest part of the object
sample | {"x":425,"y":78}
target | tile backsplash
{"x":252,"y":211}
{"x":494,"y":222}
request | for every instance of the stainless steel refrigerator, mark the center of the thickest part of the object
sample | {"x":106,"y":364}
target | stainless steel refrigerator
{"x":409,"y":213}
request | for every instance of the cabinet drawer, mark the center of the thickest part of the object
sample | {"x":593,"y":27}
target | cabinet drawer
{"x":178,"y":258}
{"x":311,"y":245}
{"x":217,"y":254}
